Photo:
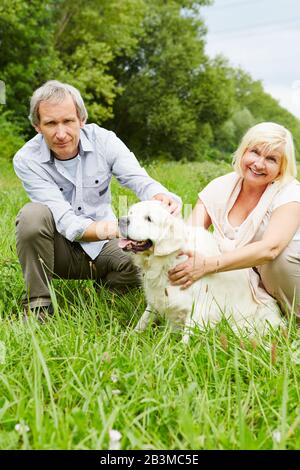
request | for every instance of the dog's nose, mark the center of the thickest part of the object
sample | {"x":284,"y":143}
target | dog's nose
{"x":123,"y":224}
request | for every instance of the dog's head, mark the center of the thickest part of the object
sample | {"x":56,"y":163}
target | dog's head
{"x":149,"y":226}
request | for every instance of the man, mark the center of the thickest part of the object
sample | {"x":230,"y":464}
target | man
{"x":69,"y":229}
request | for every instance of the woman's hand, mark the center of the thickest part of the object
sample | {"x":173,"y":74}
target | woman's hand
{"x":184,"y":274}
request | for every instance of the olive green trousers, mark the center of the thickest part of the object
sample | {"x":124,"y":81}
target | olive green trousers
{"x":44,"y":254}
{"x":281,"y":278}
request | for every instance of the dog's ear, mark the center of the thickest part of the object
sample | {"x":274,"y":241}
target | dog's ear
{"x":171,"y":239}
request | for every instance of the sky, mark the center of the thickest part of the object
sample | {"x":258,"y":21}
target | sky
{"x":263,"y":38}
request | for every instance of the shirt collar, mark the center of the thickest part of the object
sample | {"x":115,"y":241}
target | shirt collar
{"x":84,"y":143}
{"x":84,"y":146}
{"x":46,"y":155}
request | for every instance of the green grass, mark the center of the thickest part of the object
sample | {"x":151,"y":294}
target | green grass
{"x":86,"y":371}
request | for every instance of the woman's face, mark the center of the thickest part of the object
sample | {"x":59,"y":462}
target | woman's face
{"x":261,"y":167}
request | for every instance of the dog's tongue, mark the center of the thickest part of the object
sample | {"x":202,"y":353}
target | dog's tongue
{"x":123,"y":242}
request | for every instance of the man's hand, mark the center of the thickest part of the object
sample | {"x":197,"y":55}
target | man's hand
{"x":184,"y":274}
{"x":102,"y":230}
{"x":107,"y":230}
{"x":172,"y":206}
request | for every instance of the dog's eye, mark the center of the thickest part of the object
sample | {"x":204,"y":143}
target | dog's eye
{"x":148,"y":218}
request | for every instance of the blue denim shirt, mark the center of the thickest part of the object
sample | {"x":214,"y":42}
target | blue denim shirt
{"x":75,"y":204}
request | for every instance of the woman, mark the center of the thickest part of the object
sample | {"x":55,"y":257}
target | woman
{"x":255,"y":212}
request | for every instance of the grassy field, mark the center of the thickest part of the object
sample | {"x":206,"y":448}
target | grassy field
{"x":66,"y":384}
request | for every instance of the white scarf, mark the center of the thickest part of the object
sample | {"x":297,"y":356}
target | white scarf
{"x":219,"y":197}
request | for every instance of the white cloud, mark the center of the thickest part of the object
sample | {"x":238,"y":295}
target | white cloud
{"x":288,"y":96}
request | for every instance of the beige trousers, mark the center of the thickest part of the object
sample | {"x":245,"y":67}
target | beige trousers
{"x":45,"y":254}
{"x":281,"y":278}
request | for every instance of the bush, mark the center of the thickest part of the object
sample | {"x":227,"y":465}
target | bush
{"x":11,"y":138}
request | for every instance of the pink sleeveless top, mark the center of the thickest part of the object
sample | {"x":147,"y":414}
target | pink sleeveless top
{"x":218,"y":198}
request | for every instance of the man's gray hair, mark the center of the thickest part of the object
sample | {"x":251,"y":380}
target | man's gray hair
{"x":55,"y":91}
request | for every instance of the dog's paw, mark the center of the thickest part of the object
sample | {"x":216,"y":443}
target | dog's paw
{"x":140,"y":328}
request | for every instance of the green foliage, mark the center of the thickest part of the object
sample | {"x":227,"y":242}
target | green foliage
{"x":88,"y":38}
{"x":66,"y":40}
{"x":172,"y":94}
{"x":142,"y":70}
{"x":10,"y":137}
{"x":27,"y":53}
{"x":87,"y":71}
{"x":263,"y":107}
{"x":234,"y":128}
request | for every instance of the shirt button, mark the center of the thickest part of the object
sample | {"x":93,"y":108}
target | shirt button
{"x":97,"y":181}
{"x":79,"y":208}
{"x":61,"y":189}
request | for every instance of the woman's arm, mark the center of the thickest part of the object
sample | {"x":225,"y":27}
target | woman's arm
{"x":283,"y":225}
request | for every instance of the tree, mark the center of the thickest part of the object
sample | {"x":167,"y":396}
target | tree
{"x":142,"y":70}
{"x":89,"y":36}
{"x":68,"y":40}
{"x":173,"y":95}
{"x":263,"y":107}
{"x":10,"y":137}
{"x":27,"y":52}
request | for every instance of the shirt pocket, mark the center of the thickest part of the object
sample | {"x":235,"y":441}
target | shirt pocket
{"x":66,"y":188}
{"x":95,"y":189}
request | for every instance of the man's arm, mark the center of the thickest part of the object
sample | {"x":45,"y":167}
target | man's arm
{"x":129,"y":173}
{"x":102,"y":230}
{"x":40,"y":188}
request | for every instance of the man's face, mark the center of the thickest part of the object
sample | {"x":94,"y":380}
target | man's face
{"x":60,"y":126}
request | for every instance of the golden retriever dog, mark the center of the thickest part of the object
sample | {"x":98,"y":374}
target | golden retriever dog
{"x":155,"y":237}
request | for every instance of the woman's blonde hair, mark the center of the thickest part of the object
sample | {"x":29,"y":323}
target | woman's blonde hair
{"x":269,"y":136}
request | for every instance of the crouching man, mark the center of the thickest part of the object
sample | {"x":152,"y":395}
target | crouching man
{"x":69,"y":229}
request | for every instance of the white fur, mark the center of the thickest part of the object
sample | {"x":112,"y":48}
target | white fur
{"x":207,"y":300}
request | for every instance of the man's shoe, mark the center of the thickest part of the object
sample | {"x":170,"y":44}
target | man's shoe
{"x":42,"y":314}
